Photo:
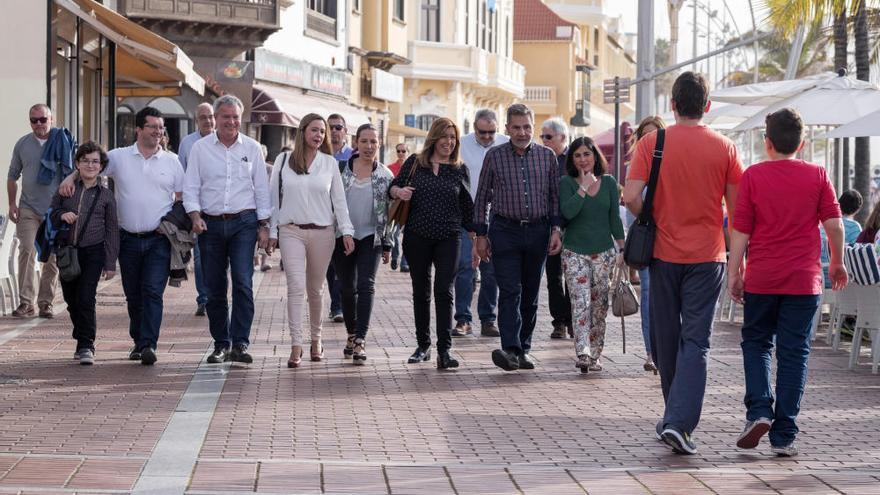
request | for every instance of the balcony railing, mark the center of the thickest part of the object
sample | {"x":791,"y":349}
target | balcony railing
{"x":540,"y":94}
{"x":250,"y":13}
{"x":452,"y":62}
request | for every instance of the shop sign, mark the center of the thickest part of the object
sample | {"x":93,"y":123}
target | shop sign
{"x":281,"y":69}
{"x":386,"y":86}
{"x":224,"y":76}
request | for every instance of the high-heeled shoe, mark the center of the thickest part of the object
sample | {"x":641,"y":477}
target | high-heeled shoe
{"x":317,"y":350}
{"x":348,"y":350}
{"x":294,"y":362}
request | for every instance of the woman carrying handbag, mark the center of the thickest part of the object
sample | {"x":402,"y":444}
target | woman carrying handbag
{"x":591,"y":246}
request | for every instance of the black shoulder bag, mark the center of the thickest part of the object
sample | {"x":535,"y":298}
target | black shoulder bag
{"x":639,"y":248}
{"x":66,"y":257}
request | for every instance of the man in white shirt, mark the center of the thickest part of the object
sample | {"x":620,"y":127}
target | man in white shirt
{"x":226,"y":194}
{"x":147,"y":180}
{"x":205,"y":123}
{"x":474,"y":147}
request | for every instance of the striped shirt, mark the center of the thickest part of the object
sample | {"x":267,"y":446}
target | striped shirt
{"x":518,"y":187}
{"x":103,"y":226}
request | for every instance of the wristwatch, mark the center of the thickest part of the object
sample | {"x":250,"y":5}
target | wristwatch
{"x":263,"y":223}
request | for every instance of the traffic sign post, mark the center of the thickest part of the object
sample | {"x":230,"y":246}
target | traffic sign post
{"x":616,"y":91}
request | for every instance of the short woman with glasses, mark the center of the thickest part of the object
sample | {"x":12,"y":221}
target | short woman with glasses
{"x":308,"y":200}
{"x":591,"y":246}
{"x":87,"y":220}
{"x":366,"y":183}
{"x":438,"y":189}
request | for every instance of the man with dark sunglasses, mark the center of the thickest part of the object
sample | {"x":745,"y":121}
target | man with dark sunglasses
{"x":341,"y":152}
{"x":28,"y":213}
{"x":396,"y":252}
{"x":554,"y":135}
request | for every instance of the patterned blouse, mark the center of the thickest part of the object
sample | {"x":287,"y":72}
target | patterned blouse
{"x":381,"y":179}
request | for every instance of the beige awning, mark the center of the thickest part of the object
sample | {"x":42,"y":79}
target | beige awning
{"x":406,"y":131}
{"x":148,"y":63}
{"x":294,"y":102}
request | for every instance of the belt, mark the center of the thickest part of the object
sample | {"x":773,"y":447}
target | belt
{"x":226,"y":216}
{"x":310,"y":226}
{"x":521,"y":223}
{"x":141,"y":235}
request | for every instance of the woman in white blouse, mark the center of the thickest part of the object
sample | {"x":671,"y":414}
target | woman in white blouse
{"x":308,"y":199}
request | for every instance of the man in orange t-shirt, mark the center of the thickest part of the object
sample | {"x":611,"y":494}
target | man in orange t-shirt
{"x":699,"y":168}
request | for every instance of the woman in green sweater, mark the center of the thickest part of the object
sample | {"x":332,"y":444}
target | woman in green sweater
{"x":592,"y":244}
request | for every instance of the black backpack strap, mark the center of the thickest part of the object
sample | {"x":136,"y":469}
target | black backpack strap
{"x":648,"y":204}
{"x":89,"y":215}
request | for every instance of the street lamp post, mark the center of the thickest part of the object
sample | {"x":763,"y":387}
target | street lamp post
{"x":645,"y":60}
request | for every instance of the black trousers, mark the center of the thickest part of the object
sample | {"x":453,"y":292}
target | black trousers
{"x":357,"y":279}
{"x":557,"y":292}
{"x":80,"y":295}
{"x":421,"y":254}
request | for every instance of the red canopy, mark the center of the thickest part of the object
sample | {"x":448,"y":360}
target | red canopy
{"x":605,"y":142}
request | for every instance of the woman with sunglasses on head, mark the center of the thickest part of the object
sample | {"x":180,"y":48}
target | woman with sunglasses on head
{"x":366,"y":183}
{"x":438,"y":189}
{"x":308,"y":199}
{"x":90,"y":215}
{"x":591,"y":246}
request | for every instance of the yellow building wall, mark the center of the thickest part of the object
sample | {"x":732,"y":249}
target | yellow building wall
{"x":550,"y":64}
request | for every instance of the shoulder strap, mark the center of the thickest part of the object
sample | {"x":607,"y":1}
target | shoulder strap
{"x":89,"y":215}
{"x":284,"y":163}
{"x":648,"y":205}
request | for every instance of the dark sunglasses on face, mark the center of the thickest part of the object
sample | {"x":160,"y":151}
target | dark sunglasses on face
{"x":39,"y":120}
{"x":485,"y":133}
{"x":547,"y":137}
{"x":337,"y":127}
{"x":401,"y":151}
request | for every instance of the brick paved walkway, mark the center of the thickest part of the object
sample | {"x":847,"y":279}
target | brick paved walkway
{"x":392,"y":428}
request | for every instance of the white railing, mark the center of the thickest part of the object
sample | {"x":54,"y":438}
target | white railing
{"x":540,"y":94}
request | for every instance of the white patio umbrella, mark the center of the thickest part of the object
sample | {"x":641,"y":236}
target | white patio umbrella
{"x":768,"y":93}
{"x":722,"y":116}
{"x":837,"y":101}
{"x":869,"y":125}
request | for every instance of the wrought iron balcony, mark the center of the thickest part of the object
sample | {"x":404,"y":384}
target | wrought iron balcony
{"x":207,"y":28}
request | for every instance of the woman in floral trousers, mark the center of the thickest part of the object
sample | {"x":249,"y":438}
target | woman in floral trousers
{"x":591,"y":246}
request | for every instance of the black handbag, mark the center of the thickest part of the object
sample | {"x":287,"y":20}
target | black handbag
{"x":66,"y":257}
{"x":639,"y":248}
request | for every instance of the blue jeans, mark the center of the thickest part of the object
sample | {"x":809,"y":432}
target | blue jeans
{"x":201,"y":287}
{"x":644,"y":307}
{"x":465,"y":282}
{"x":144,"y":263}
{"x":682,"y":301}
{"x":357,"y":276}
{"x":785,"y":321}
{"x":335,"y":290}
{"x":518,"y":255}
{"x":396,"y":250}
{"x":229,"y":244}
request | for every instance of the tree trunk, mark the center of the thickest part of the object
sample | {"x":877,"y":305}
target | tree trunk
{"x":841,"y":159}
{"x":862,"y":147}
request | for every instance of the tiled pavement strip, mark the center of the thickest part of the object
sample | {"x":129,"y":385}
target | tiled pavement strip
{"x":392,"y":428}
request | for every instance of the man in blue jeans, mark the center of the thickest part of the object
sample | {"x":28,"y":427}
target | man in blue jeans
{"x":699,"y":168}
{"x":780,"y":204}
{"x":341,"y":152}
{"x":147,"y":181}
{"x":474,"y":147}
{"x":520,"y":179}
{"x":226,"y":193}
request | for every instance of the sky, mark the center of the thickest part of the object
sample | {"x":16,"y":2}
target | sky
{"x":738,"y":8}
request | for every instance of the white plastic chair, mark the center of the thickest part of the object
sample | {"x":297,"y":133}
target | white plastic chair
{"x":868,"y":319}
{"x":725,"y":303}
{"x":7,"y":279}
{"x":829,"y":297}
{"x":846,"y":305}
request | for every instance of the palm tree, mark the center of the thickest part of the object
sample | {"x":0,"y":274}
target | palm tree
{"x":862,"y":181}
{"x":841,"y":157}
{"x":673,"y":7}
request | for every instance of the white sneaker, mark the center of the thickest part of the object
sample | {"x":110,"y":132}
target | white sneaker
{"x":752,"y":433}
{"x":789,"y":450}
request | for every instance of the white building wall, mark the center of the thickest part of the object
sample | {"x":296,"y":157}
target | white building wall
{"x":292,"y":41}
{"x":25,"y":30}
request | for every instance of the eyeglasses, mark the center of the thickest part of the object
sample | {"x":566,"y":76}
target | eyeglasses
{"x":401,"y":152}
{"x":337,"y":127}
{"x":547,"y":137}
{"x":39,"y":120}
{"x":484,"y":133}
{"x":154,"y":127}
{"x":95,"y":162}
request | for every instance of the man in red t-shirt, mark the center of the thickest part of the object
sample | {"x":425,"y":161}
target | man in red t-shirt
{"x":780,"y":205}
{"x":699,"y":168}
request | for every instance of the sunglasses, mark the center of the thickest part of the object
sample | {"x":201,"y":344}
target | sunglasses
{"x":39,"y":120}
{"x":337,"y":127}
{"x":547,"y":137}
{"x":401,"y":152}
{"x":485,"y":133}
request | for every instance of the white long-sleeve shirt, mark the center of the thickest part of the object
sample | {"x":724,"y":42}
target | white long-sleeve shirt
{"x":317,"y":197}
{"x":472,"y":153}
{"x":222,"y":180}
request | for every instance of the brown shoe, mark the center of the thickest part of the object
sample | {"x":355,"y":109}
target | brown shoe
{"x":558,"y":331}
{"x":46,"y":311}
{"x":489,"y":329}
{"x":23,"y":311}
{"x":461,"y":329}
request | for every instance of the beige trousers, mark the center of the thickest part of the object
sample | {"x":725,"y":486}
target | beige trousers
{"x":26,"y":231}
{"x":306,"y":254}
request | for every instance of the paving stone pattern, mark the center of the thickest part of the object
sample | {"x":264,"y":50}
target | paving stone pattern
{"x":392,"y":428}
